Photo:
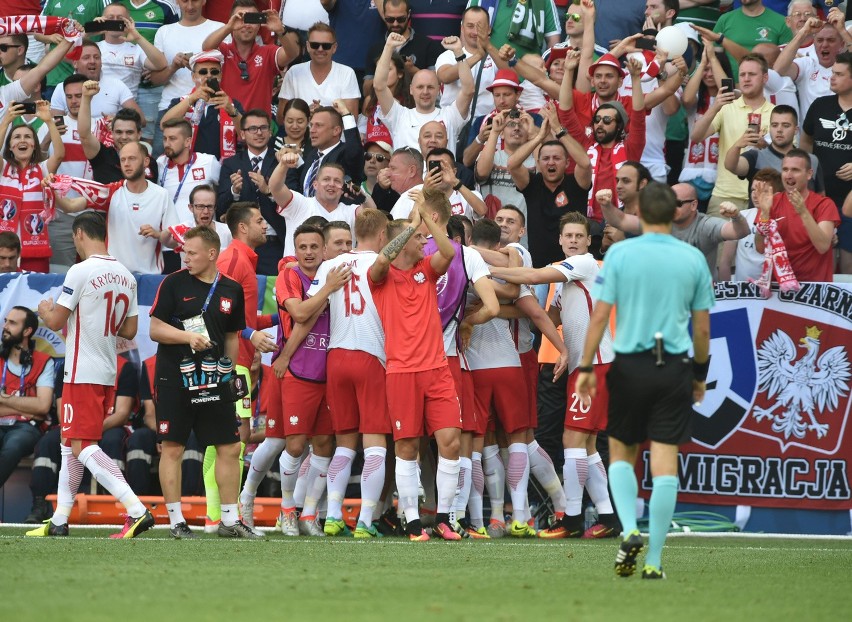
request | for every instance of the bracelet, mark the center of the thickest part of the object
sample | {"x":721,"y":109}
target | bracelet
{"x":513,"y":62}
{"x":457,"y":186}
{"x":699,"y":370}
{"x":562,"y":132}
{"x":476,"y":139}
{"x":721,"y":39}
{"x":461,"y":58}
{"x":586,"y":369}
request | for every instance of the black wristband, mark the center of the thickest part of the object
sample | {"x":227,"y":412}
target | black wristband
{"x":562,"y":132}
{"x":586,"y":369}
{"x":461,"y":58}
{"x":457,"y":186}
{"x":721,"y":39}
{"x":699,"y":370}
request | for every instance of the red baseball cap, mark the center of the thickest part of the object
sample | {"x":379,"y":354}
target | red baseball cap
{"x":610,"y":61}
{"x":506,"y":77}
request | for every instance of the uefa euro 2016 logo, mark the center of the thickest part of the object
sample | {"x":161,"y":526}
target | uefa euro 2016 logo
{"x":34,"y":224}
{"x":8,"y":209}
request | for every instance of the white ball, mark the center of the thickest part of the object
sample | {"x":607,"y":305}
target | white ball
{"x":673,"y":40}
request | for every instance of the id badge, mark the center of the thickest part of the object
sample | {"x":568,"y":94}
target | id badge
{"x":196,"y":324}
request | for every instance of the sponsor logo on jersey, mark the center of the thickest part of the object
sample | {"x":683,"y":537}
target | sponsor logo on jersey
{"x":567,"y":265}
{"x":68,"y":290}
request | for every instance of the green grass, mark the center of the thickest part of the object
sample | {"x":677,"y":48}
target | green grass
{"x":89,"y":577}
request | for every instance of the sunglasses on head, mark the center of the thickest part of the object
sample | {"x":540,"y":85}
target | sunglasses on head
{"x":398,"y":20}
{"x":4,"y":47}
{"x":212,"y":72}
{"x":377,"y":156}
{"x":606,"y":119}
{"x":315,"y":45}
{"x":243,"y":70}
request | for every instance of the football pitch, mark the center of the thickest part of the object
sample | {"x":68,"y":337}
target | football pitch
{"x":89,"y":577}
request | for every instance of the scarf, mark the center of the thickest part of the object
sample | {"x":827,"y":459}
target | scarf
{"x":21,"y":202}
{"x":527,"y":27}
{"x":775,"y":258}
{"x":227,"y":133}
{"x":97,"y":195}
{"x":44,"y":25}
{"x":618,"y":156}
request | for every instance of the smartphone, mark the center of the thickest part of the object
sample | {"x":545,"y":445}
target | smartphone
{"x":59,"y":119}
{"x":29,"y":107}
{"x":754,"y":122}
{"x":213,"y":83}
{"x":643,"y":43}
{"x":489,"y":121}
{"x":728,"y":83}
{"x":434,"y":164}
{"x":110,"y":25}
{"x":254,"y":18}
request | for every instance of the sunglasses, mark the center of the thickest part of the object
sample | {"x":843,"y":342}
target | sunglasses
{"x":682,"y":202}
{"x":397,"y":20}
{"x":243,"y":70}
{"x":315,"y":45}
{"x":606,"y":120}
{"x":573,"y":17}
{"x":211,"y":72}
{"x":4,"y":47}
{"x":378,"y":157}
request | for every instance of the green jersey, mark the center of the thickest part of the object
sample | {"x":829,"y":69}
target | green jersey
{"x":705,"y":15}
{"x":149,"y":16}
{"x":768,"y":27}
{"x":81,"y":10}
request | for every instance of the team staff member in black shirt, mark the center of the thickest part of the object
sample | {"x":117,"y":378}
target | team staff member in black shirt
{"x":197,"y":312}
{"x":126,"y":127}
{"x":550,"y":193}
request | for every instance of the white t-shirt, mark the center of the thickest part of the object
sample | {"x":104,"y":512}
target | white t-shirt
{"x":174,"y":39}
{"x":749,"y":261}
{"x":75,"y":162}
{"x":11,"y":93}
{"x":813,"y":81}
{"x":780,"y":90}
{"x":300,"y":208}
{"x":476,"y":268}
{"x":127,"y":212}
{"x":180,"y":180}
{"x":403,"y":206}
{"x":340,"y":83}
{"x":653,"y":156}
{"x":492,"y":345}
{"x":355,"y":323}
{"x":124,"y":62}
{"x":575,"y":303}
{"x":404,"y":124}
{"x":108,"y":101}
{"x":521,"y":329}
{"x":303,"y":14}
{"x":485,"y":100}
{"x":99,"y":292}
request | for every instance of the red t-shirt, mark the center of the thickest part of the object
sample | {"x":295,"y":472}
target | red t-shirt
{"x":407,"y":302}
{"x":262,"y":68}
{"x":288,"y":285}
{"x":239,"y":262}
{"x":807,"y":263}
{"x":585,"y":105}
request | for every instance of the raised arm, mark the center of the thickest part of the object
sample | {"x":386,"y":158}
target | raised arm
{"x":703,"y":128}
{"x":784,"y":63}
{"x":215,"y":38}
{"x":89,"y":142}
{"x":734,"y":161}
{"x":616,"y":217}
{"x":379,"y":269}
{"x":156,"y":60}
{"x":446,"y":251}
{"x":465,"y":96}
{"x":738,"y":227}
{"x":55,"y":159}
{"x":281,"y":194}
{"x":587,"y":50}
{"x":33,"y":78}
{"x":520,"y":173}
{"x":380,"y":80}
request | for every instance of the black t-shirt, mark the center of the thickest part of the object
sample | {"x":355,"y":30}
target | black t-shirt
{"x":423,"y":50}
{"x":106,"y":167}
{"x":180,"y":297}
{"x":544,"y":209}
{"x":831,"y":129}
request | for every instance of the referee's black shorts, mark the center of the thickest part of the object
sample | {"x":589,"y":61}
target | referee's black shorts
{"x":650,"y":402}
{"x":214,"y":423}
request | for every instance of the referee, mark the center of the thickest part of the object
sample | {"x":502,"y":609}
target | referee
{"x":652,"y":382}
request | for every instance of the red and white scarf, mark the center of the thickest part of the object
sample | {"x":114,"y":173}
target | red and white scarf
{"x":774,"y":259}
{"x":618,"y":157}
{"x":227,"y":132}
{"x":44,"y":25}
{"x":21,"y":201}
{"x":97,"y":195}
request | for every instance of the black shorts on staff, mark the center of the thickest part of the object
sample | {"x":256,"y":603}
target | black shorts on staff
{"x":215,"y":423}
{"x":650,"y":402}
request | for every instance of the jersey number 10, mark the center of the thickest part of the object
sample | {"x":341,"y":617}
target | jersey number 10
{"x":114,"y":319}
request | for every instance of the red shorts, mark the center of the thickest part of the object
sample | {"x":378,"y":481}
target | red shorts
{"x":505,"y":388}
{"x":84,"y":408}
{"x":591,"y":418}
{"x":422,"y":402}
{"x":529,"y":363}
{"x":274,"y":407}
{"x":356,"y":392}
{"x":305,"y":408}
{"x":465,"y":397}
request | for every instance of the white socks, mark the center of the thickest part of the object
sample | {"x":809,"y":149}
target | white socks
{"x":338,"y":479}
{"x":574,"y":474}
{"x":372,"y":482}
{"x":110,"y":477}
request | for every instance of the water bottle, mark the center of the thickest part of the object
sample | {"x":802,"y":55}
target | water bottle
{"x":209,"y":367}
{"x":224,"y":369}
{"x":187,"y":370}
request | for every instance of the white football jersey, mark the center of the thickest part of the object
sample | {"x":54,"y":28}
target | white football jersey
{"x":491,"y":344}
{"x":101,"y":293}
{"x":201,"y":169}
{"x":521,"y":329}
{"x":575,"y":304}
{"x":355,"y":323}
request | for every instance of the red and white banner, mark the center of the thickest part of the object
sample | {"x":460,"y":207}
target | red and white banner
{"x":773,"y":430}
